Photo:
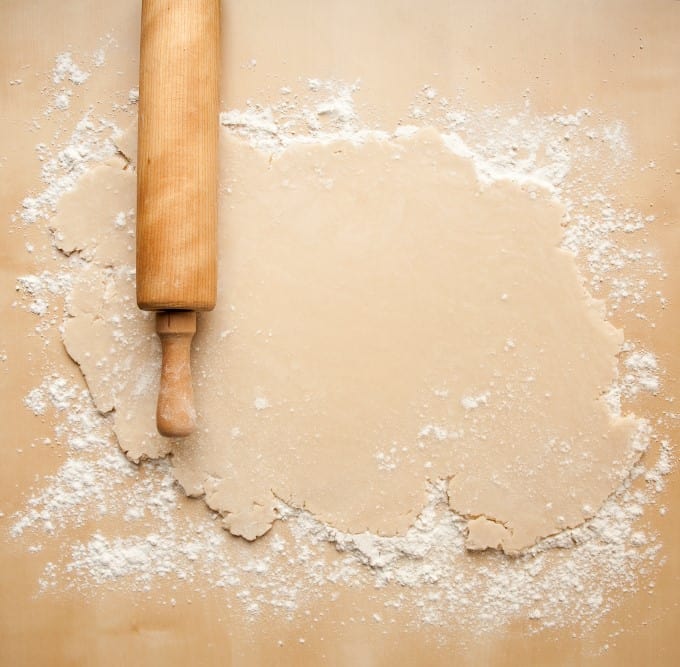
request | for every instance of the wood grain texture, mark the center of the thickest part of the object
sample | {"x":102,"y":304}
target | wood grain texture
{"x":177,"y":163}
{"x":175,"y":414}
{"x":553,"y":51}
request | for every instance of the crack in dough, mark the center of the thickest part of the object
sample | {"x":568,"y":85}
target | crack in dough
{"x":383,"y":321}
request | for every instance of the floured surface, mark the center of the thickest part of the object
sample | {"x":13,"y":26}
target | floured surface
{"x":111,"y":561}
{"x":384,"y":321}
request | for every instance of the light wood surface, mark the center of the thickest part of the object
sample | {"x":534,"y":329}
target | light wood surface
{"x":177,"y":171}
{"x":617,"y":56}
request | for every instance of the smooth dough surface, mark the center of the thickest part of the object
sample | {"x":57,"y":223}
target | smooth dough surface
{"x":383,"y":322}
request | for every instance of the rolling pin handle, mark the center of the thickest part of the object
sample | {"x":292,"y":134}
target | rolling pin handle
{"x":175,"y":413}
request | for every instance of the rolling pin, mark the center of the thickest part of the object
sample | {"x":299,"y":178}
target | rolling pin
{"x":177,"y":187}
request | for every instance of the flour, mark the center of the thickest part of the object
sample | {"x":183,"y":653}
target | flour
{"x":329,"y":117}
{"x":55,"y":392}
{"x":92,"y":141}
{"x":261,"y":403}
{"x":571,"y":577}
{"x":606,"y":551}
{"x":641,"y":373}
{"x":66,"y":69}
{"x":62,"y":101}
{"x":539,"y":153}
{"x":41,"y":290}
{"x":67,"y":76}
{"x":473,"y":402}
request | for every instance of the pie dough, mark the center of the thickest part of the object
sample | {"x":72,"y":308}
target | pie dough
{"x":383,"y":321}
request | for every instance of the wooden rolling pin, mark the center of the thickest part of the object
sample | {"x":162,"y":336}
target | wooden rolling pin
{"x":177,"y":187}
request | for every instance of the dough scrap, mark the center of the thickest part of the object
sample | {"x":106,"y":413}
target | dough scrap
{"x":382,"y":321}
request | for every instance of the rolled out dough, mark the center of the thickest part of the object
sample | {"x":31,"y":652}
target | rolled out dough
{"x":382,"y":321}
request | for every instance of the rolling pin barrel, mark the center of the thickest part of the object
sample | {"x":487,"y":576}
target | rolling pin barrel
{"x":177,"y":186}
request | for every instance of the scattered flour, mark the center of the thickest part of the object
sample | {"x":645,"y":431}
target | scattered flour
{"x":642,"y":373}
{"x":67,"y":76}
{"x":261,"y":403}
{"x":473,"y":402}
{"x":571,"y":578}
{"x":66,"y":69}
{"x":91,"y":142}
{"x":40,"y":290}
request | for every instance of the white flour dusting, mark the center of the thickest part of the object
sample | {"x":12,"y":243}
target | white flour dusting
{"x":91,"y":142}
{"x":571,"y":578}
{"x":473,"y":402}
{"x":65,"y":68}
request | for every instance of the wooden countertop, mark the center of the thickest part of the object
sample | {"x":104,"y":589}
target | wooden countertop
{"x":618,"y":57}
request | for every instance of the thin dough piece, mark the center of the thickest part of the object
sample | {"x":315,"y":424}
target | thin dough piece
{"x":382,"y":322}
